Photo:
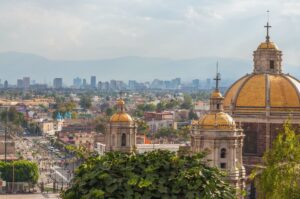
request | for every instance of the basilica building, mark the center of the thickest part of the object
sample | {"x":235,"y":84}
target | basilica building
{"x":262,"y":101}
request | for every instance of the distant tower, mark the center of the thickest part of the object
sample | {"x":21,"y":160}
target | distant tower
{"x":26,"y":82}
{"x":121,"y":131}
{"x":216,"y":132}
{"x":5,"y":84}
{"x":93,"y":81}
{"x":84,"y":85}
{"x":57,"y":83}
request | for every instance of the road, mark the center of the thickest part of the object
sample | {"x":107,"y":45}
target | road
{"x":52,"y":168}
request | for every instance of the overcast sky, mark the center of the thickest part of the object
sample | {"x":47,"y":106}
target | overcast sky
{"x":96,"y":29}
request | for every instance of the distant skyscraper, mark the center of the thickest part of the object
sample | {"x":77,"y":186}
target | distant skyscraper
{"x":57,"y":83}
{"x":196,"y":83}
{"x":93,"y":81}
{"x":84,"y":83}
{"x":113,"y":84}
{"x":26,"y":82}
{"x":77,"y":82}
{"x":208,"y":83}
{"x":5,"y":84}
{"x":20,"y":83}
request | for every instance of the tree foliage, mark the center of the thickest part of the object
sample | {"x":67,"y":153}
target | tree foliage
{"x":280,"y":177}
{"x":24,"y":171}
{"x":156,"y":174}
{"x":187,"y":102}
{"x":12,"y":116}
{"x":85,"y":102}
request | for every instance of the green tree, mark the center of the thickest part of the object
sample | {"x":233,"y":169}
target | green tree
{"x":143,"y":127}
{"x":193,"y":115}
{"x":187,"y":102}
{"x":280,"y":176}
{"x":110,"y":111}
{"x":172,"y":104}
{"x":152,"y":175}
{"x":85,"y":102}
{"x":166,"y":133}
{"x":161,"y":106}
{"x":24,"y":171}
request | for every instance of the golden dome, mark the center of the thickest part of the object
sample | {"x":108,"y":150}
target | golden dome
{"x":216,"y":94}
{"x":256,"y":92}
{"x":268,"y":45}
{"x":121,"y":117}
{"x":219,"y":120}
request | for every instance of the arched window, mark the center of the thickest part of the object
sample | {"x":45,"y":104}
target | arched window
{"x":123,"y":141}
{"x":223,"y":153}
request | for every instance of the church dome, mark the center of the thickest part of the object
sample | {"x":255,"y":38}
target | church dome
{"x":257,"y":92}
{"x":121,"y":115}
{"x":216,"y":94}
{"x":218,"y":120}
{"x":268,"y":45}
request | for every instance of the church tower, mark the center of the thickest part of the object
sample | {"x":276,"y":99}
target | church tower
{"x":217,"y":134}
{"x":121,"y":131}
{"x":267,"y":58}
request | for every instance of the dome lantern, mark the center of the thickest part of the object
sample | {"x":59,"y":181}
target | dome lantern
{"x":267,"y":58}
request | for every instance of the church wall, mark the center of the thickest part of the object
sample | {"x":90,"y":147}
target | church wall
{"x":255,"y":138}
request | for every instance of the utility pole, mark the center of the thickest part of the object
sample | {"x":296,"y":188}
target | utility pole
{"x":5,"y":135}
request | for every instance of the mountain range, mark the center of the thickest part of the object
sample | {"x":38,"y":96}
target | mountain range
{"x":14,"y":65}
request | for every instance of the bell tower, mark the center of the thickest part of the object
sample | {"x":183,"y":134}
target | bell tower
{"x":217,"y":134}
{"x":121,"y":131}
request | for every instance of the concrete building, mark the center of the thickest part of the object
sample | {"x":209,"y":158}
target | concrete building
{"x":26,"y":82}
{"x":57,"y":83}
{"x":20,"y":83}
{"x":93,"y":82}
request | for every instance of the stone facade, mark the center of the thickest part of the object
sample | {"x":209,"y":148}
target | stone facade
{"x":217,"y":134}
{"x":267,"y":60}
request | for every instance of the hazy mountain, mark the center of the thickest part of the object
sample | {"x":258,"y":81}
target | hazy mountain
{"x":16,"y":65}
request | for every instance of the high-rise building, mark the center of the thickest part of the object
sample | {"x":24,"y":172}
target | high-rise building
{"x":20,"y":83}
{"x":58,"y":83}
{"x":93,"y":81}
{"x":196,"y":83}
{"x":77,"y":82}
{"x":5,"y":84}
{"x":84,"y":83}
{"x":26,"y":82}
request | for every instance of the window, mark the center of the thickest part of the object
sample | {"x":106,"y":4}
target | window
{"x":223,"y":165}
{"x":223,"y":153}
{"x":272,"y":64}
{"x":218,"y":106}
{"x":123,"y":142}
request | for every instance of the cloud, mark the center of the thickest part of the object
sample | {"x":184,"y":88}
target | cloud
{"x":76,"y":29}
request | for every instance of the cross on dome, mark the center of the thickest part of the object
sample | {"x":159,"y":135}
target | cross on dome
{"x":218,"y":77}
{"x":268,"y":27}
